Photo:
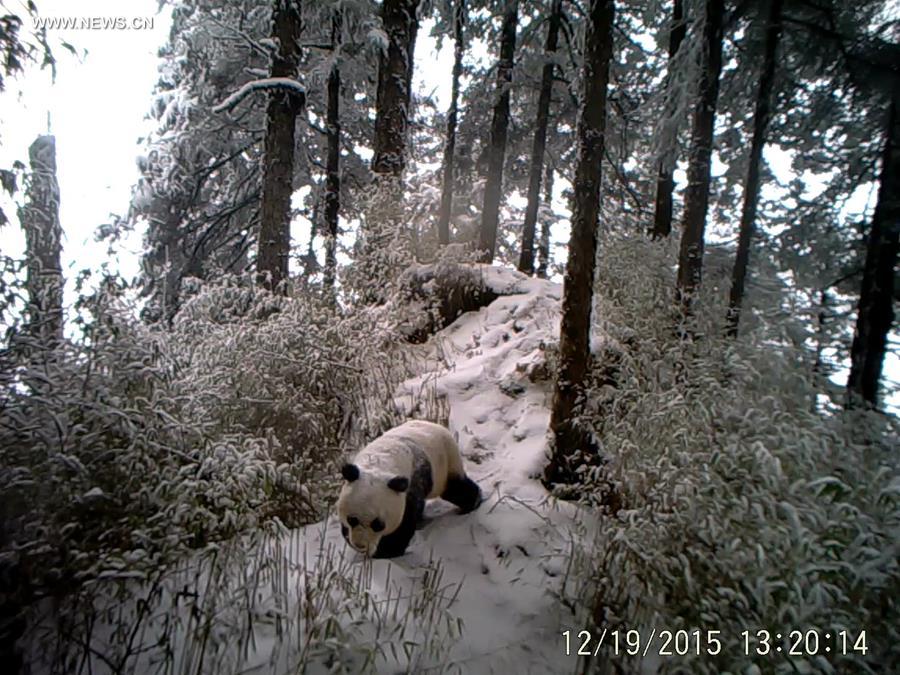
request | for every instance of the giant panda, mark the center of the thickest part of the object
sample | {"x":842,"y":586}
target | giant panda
{"x":386,"y":485}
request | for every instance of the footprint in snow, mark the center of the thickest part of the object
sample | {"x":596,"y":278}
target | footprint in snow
{"x":511,"y":387}
{"x":477,"y":457}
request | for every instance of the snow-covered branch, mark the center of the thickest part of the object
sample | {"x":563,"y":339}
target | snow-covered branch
{"x":265,"y":46}
{"x":284,"y":83}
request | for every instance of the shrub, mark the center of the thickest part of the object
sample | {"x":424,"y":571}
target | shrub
{"x":745,"y":505}
{"x":125,"y":447}
{"x":279,"y":602}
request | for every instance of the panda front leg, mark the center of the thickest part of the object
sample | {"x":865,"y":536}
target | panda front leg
{"x":394,"y":544}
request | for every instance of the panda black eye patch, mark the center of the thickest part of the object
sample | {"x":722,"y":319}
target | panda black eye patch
{"x":353,"y":521}
{"x":377,"y":525}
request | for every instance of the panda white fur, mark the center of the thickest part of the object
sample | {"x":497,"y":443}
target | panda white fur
{"x":389,"y":480}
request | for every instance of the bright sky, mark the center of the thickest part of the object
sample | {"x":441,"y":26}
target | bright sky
{"x":98,"y":107}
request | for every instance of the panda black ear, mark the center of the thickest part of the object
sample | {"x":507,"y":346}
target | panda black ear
{"x":350,"y":472}
{"x":398,"y":483}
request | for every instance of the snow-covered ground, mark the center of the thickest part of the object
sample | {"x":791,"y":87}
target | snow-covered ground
{"x":511,"y":551}
{"x":494,"y":574}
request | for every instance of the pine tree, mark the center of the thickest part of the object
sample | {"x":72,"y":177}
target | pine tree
{"x":333,"y":166}
{"x":278,"y":156}
{"x":546,"y":221}
{"x":199,"y":189}
{"x":201,"y":174}
{"x":490,"y":214}
{"x":526,"y":259}
{"x":696,"y":200}
{"x":665,"y":184}
{"x":831,"y":120}
{"x":394,"y":81}
{"x":832,"y":129}
{"x":384,"y":242}
{"x":875,"y":311}
{"x":475,"y":117}
{"x":447,"y":186}
{"x":751,"y":187}
{"x":574,"y":340}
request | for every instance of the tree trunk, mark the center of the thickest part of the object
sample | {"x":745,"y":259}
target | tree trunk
{"x":818,"y":369}
{"x":459,"y":12}
{"x":875,"y":312}
{"x":665,"y":184}
{"x":574,"y":334}
{"x":526,"y":258}
{"x":309,"y":260}
{"x":490,"y":213}
{"x":43,"y":245}
{"x":333,"y":160}
{"x":544,"y":246}
{"x":394,"y":82}
{"x":696,"y":198}
{"x":751,"y":189}
{"x":384,"y":244}
{"x":278,"y":161}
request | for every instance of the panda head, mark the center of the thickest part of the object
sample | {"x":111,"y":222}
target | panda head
{"x":370,"y":506}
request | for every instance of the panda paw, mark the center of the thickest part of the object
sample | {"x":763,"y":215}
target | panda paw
{"x":464,"y":493}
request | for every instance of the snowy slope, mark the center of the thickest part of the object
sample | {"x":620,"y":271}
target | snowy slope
{"x":264,"y":604}
{"x":509,"y":550}
{"x":511,"y":553}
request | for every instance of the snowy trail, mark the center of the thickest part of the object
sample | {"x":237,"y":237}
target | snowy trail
{"x":510,"y":551}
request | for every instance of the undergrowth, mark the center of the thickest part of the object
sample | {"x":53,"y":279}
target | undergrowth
{"x":129,"y":446}
{"x":275,"y":602}
{"x":746,"y":503}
